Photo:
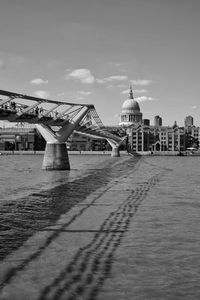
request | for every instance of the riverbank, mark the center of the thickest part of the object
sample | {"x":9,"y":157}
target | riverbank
{"x":29,"y":152}
{"x":122,"y":152}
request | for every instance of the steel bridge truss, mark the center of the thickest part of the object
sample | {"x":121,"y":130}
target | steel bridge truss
{"x":20,"y":108}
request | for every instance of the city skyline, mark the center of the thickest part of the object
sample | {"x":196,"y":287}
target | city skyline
{"x":90,"y":51}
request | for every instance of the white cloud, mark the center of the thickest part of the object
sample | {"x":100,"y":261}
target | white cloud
{"x":140,"y":91}
{"x":84,"y":75}
{"x":117,"y":78}
{"x":39,"y":81}
{"x":78,"y":98}
{"x":85,"y":93}
{"x":125,"y":92}
{"x":144,"y":98}
{"x":42,"y":94}
{"x":194,"y":107}
{"x":100,"y":80}
{"x":134,"y":91}
{"x":112,"y":78}
{"x":141,"y":82}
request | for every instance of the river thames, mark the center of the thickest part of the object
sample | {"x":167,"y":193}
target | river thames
{"x":110,"y":228}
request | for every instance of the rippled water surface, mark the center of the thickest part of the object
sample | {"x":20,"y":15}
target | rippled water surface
{"x":158,"y":255}
{"x":22,"y":174}
{"x":32,"y":198}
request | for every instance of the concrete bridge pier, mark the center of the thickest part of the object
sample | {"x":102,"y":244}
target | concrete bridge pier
{"x":115,"y":152}
{"x":56,"y":157}
{"x":56,"y":154}
{"x":115,"y":146}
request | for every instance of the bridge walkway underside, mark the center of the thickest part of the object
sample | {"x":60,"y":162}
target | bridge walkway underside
{"x":56,"y":120}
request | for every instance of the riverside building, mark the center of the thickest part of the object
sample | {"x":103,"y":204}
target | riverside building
{"x":144,"y":137}
{"x":20,"y":138}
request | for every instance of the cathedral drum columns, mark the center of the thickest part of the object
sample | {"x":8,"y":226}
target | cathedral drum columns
{"x":130,"y":111}
{"x":131,"y":117}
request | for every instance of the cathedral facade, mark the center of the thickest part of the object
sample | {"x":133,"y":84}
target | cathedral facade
{"x":130,"y":112}
{"x":145,"y":137}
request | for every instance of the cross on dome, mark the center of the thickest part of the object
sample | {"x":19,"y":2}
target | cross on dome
{"x":131,"y":93}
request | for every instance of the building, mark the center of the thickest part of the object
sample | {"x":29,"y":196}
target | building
{"x":144,"y":137}
{"x":146,"y":122}
{"x":157,"y":121}
{"x":21,"y":139}
{"x":80,"y":142}
{"x":130,"y":112}
{"x":151,"y":138}
{"x":189,"y":121}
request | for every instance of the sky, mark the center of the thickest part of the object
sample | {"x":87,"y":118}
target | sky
{"x":90,"y":51}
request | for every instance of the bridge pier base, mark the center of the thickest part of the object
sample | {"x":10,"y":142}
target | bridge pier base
{"x":115,"y":152}
{"x":56,"y":157}
{"x":115,"y":147}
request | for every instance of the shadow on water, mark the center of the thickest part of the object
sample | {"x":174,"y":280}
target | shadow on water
{"x":22,"y":218}
{"x":85,"y":274}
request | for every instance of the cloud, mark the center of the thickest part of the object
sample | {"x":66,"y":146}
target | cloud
{"x":84,"y":75}
{"x":194,"y":107}
{"x":125,"y":92}
{"x":42,"y":94}
{"x":117,"y":78}
{"x":84,"y":93}
{"x":140,"y":91}
{"x":141,"y":82}
{"x":39,"y":81}
{"x":134,"y":91}
{"x":112,"y":78}
{"x":144,"y":98}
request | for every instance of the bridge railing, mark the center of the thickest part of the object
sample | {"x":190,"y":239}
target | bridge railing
{"x":16,"y":107}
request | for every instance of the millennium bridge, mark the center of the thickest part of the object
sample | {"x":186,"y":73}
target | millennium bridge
{"x":56,"y":120}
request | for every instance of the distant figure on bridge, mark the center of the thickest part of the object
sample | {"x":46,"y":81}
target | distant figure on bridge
{"x":55,"y":114}
{"x":13,"y":105}
{"x":36,"y":111}
{"x":41,"y":111}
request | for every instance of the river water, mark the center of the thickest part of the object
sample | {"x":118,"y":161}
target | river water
{"x":32,"y":198}
{"x":159,"y":257}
